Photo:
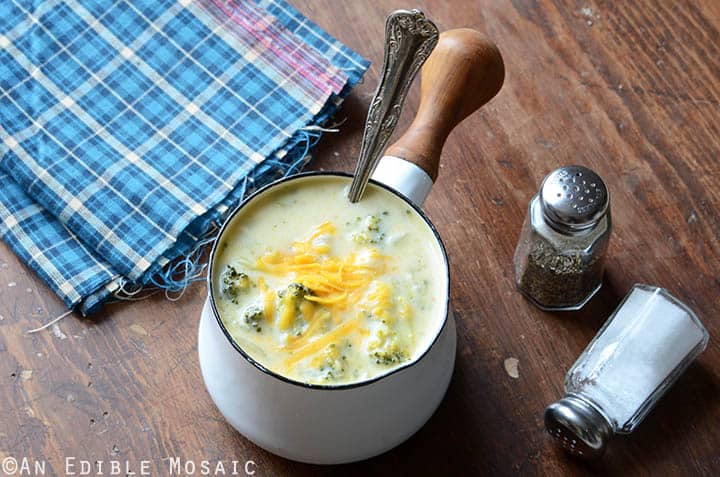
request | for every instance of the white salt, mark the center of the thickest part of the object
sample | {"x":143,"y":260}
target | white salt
{"x":646,"y":339}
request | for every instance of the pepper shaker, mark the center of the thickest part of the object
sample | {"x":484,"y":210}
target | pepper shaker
{"x":559,"y":259}
{"x":642,"y":349}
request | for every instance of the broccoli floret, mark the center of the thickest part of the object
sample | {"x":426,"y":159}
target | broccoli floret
{"x":370,"y":232}
{"x":387,"y":358}
{"x":373,"y":223}
{"x":292,"y":300}
{"x":253,"y":315}
{"x":387,"y":348}
{"x":332,"y":363}
{"x":296,"y":290}
{"x":233,"y":283}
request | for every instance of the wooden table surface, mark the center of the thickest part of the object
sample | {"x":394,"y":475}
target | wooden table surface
{"x":630,"y":89}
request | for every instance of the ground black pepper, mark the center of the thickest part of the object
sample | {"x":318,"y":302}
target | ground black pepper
{"x":557,"y":279}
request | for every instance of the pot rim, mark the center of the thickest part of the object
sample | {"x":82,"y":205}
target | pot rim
{"x":286,"y":379}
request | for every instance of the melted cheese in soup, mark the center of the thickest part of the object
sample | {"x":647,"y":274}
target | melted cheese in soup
{"x":323,"y":291}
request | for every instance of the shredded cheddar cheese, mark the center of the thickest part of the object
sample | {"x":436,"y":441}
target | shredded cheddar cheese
{"x":332,"y":279}
{"x":318,"y":344}
{"x":268,"y":298}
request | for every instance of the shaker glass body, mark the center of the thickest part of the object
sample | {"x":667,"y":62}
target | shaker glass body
{"x":559,"y":270}
{"x":637,"y":355}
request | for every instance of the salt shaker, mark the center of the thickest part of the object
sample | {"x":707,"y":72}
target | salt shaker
{"x":642,"y":349}
{"x":559,"y":259}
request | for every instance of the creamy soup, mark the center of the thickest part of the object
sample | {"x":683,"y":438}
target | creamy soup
{"x":323,"y":291}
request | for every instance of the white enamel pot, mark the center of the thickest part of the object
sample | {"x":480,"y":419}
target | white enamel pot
{"x":325,"y":424}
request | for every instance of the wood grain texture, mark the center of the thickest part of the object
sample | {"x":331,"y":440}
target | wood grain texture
{"x":630,"y":89}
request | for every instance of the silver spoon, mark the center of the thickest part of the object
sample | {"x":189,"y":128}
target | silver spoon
{"x":409,"y":40}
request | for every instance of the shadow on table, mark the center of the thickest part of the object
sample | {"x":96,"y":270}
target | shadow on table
{"x":594,"y":314}
{"x":468,"y":433}
{"x":450,"y":443}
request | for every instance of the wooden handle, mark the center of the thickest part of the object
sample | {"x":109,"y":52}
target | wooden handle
{"x":464,"y":72}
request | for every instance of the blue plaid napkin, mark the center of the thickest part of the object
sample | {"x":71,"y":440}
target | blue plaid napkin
{"x":128,"y":128}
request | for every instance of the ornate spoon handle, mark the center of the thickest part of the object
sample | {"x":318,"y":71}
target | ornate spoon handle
{"x":409,"y":40}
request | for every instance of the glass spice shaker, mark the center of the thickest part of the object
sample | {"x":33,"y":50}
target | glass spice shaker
{"x":559,"y":259}
{"x":642,"y":349}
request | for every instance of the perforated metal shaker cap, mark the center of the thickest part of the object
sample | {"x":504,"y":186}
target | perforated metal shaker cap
{"x":573,"y":198}
{"x":578,"y":427}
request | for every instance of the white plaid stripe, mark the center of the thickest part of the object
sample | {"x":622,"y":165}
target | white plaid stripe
{"x":39,"y":257}
{"x":217,"y":138}
{"x":253,"y":52}
{"x":97,"y":127}
{"x":21,"y":28}
{"x":82,"y":210}
{"x":331,"y":44}
{"x":156,"y":25}
{"x":158,"y":80}
{"x":97,"y":79}
{"x":109,"y":233}
{"x":43,"y":175}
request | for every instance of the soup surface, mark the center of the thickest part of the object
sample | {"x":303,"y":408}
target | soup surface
{"x":323,"y":291}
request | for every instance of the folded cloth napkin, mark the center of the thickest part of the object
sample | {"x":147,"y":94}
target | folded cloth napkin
{"x":128,"y":128}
